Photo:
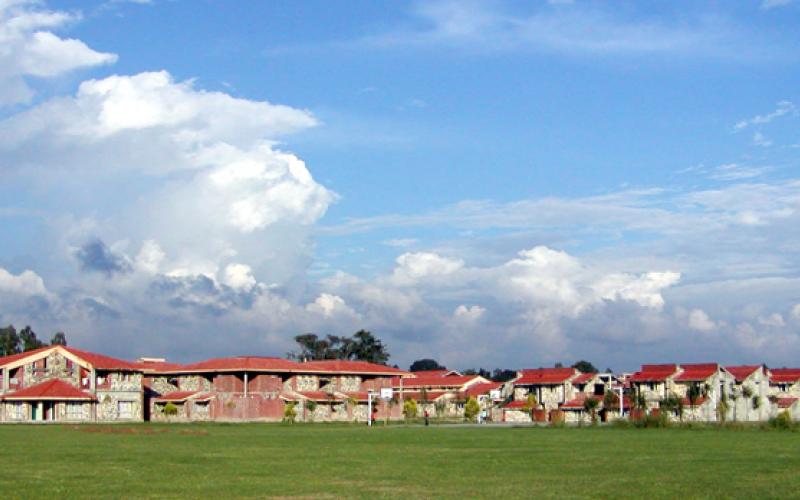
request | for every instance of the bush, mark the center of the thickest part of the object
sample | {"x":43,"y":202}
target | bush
{"x":170,"y":409}
{"x":471,"y":409}
{"x":410,"y":409}
{"x":289,"y":413}
{"x":782,"y":421}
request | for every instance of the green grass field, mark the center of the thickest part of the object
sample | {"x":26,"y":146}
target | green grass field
{"x":325,"y":461}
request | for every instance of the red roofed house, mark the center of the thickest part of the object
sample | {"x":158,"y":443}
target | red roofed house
{"x":444,"y":395}
{"x":784,"y":391}
{"x":713,"y":381}
{"x":550,"y":386}
{"x":751,"y":388}
{"x":594,"y":386}
{"x":62,"y":384}
{"x":655,"y":382}
{"x":258,"y":388}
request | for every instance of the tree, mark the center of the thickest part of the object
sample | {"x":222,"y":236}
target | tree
{"x":480,"y":372}
{"x":28,"y":338}
{"x":674,"y":404}
{"x":503,"y":375}
{"x":471,"y":409}
{"x":425,"y":364}
{"x":369,"y":348}
{"x":410,"y":409}
{"x":590,"y":404}
{"x":362,"y":346}
{"x":584,"y":366}
{"x":59,"y":339}
{"x":9,"y":341}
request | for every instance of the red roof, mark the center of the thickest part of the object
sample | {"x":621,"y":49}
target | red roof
{"x":159,"y":366}
{"x":53,"y":390}
{"x":578,"y":401}
{"x":456,"y":381}
{"x":698,"y":402}
{"x":436,"y":373}
{"x":99,"y":361}
{"x":320,"y":396}
{"x":583,"y":378}
{"x":14,"y":357}
{"x":481,"y":388}
{"x":785,"y":375}
{"x":697,"y":372}
{"x":740,"y":373}
{"x":239,"y":364}
{"x":786,"y":402}
{"x":545,"y":376}
{"x":180,"y":396}
{"x":654,"y":373}
{"x":343,"y":366}
{"x":517,"y":405}
{"x":419,"y":396}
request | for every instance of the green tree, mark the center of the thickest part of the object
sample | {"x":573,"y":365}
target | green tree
{"x":584,"y":366}
{"x":59,"y":339}
{"x":590,"y":404}
{"x":362,"y":346}
{"x":503,"y":375}
{"x":310,"y":407}
{"x":9,"y":341}
{"x":289,"y":412}
{"x":425,"y":364}
{"x":471,"y":409}
{"x":410,"y":409}
{"x":29,"y":341}
{"x":369,"y":348}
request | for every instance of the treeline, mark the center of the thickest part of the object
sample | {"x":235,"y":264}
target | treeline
{"x":498,"y":374}
{"x":13,"y":342}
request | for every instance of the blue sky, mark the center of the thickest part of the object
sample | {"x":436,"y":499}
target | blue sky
{"x":486,"y":183}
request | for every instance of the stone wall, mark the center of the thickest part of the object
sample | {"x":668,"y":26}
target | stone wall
{"x":517,"y":416}
{"x":162,"y":385}
{"x":306,"y":383}
{"x":349,"y":384}
{"x":194,"y":383}
{"x":56,"y":368}
{"x":108,"y":406}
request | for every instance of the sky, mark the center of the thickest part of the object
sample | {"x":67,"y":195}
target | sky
{"x":489,"y":184}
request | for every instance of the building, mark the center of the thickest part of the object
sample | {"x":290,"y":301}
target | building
{"x":63,"y":384}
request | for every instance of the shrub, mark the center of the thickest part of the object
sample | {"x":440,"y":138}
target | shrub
{"x":289,"y":413}
{"x":782,"y":421}
{"x":170,"y":409}
{"x":471,"y":409}
{"x":409,"y":409}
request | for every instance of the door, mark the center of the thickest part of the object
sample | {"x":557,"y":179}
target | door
{"x":34,"y":411}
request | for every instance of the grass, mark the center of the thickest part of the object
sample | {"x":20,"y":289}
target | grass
{"x":326,"y":461}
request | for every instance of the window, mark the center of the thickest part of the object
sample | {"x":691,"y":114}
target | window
{"x":125,"y":409}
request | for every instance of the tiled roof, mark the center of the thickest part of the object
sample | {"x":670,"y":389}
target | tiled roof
{"x":546,"y":376}
{"x":457,"y":381}
{"x":481,"y":388}
{"x":159,"y":366}
{"x":696,"y":372}
{"x":99,"y":361}
{"x":583,"y":378}
{"x":785,"y":375}
{"x":654,"y":373}
{"x":786,"y":402}
{"x":435,"y":373}
{"x":355,"y":367}
{"x":516,"y":405}
{"x":238,"y":364}
{"x":578,"y":401}
{"x":420,"y":396}
{"x":177,"y":396}
{"x":740,"y":373}
{"x":52,"y":390}
{"x":698,"y":402}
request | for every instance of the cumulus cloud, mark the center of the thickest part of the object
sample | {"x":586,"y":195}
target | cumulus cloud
{"x":699,"y":320}
{"x":97,"y":256}
{"x":31,"y":49}
{"x":468,"y":313}
{"x":413,"y":267}
{"x":25,"y":284}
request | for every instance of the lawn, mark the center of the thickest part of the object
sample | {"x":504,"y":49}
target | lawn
{"x":325,"y":461}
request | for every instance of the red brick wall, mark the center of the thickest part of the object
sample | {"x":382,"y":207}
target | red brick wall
{"x":229,"y":382}
{"x":261,"y":382}
{"x":253,"y":407}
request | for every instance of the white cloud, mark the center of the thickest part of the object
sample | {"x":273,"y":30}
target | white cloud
{"x":30,"y":48}
{"x":239,"y":277}
{"x":774,"y":319}
{"x":413,"y":267}
{"x":796,"y":312}
{"x":783,"y":108}
{"x":735,"y":172}
{"x":772,"y":4}
{"x":760,"y":140}
{"x":25,"y":284}
{"x":329,"y":305}
{"x":400,"y":242}
{"x":699,"y":320}
{"x":468,"y":313}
